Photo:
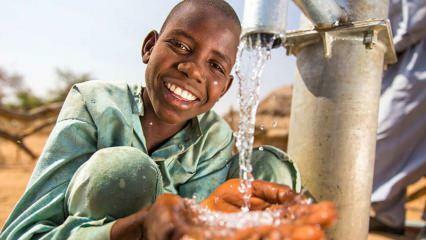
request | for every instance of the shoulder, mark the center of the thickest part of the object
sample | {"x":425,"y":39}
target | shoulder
{"x":97,"y":97}
{"x":97,"y":88}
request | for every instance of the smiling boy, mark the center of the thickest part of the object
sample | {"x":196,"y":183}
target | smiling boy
{"x":116,"y":147}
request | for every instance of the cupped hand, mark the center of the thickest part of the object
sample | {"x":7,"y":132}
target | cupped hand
{"x":227,"y":197}
{"x":299,"y":222}
{"x":168,"y":217}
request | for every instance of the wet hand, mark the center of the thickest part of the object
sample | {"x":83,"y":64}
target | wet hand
{"x":168,"y":218}
{"x":299,"y":222}
{"x":227,"y":197}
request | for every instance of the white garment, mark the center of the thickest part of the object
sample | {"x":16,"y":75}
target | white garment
{"x":401,"y":137}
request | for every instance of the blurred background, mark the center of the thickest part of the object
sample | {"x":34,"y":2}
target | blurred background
{"x":46,"y":46}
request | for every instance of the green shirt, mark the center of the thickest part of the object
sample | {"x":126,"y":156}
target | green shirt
{"x":99,"y":115}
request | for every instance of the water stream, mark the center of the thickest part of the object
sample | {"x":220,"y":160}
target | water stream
{"x":252,"y":55}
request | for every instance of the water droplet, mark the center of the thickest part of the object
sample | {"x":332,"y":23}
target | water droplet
{"x":261,"y":127}
{"x":260,"y":148}
{"x":150,"y":123}
{"x":215,"y":82}
{"x":245,"y":209}
{"x":274,"y":123}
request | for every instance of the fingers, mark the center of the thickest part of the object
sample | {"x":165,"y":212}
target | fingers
{"x":160,"y":221}
{"x":263,"y":195}
{"x":222,"y":205}
{"x":307,"y":232}
{"x":323,"y":213}
{"x":258,"y":204}
{"x":272,"y":192}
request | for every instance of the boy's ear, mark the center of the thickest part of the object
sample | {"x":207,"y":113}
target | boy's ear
{"x":231,"y":79}
{"x":148,"y":45}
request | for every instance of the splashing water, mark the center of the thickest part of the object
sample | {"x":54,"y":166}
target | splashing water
{"x":236,"y":220}
{"x":252,"y":55}
{"x":240,"y":220}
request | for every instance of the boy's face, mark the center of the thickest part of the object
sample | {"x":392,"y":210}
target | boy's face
{"x":189,"y":64}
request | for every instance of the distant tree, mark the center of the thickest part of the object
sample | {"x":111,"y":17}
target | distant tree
{"x":9,"y":83}
{"x":31,"y":112}
{"x":27,"y":100}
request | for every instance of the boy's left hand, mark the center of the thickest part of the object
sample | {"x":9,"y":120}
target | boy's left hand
{"x":227,"y":197}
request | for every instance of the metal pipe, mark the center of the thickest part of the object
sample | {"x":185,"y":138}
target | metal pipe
{"x":322,"y":13}
{"x":269,"y":17}
{"x":334,"y":120}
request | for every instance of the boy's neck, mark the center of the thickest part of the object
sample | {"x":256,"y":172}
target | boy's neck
{"x":155,"y":130}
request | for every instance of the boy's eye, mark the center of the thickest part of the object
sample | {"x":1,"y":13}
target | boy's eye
{"x":218,"y":67}
{"x":181,"y":46}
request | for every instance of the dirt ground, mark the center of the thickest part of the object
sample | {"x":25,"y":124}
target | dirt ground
{"x":15,"y":171}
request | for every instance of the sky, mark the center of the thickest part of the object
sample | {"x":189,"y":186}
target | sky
{"x":102,"y":37}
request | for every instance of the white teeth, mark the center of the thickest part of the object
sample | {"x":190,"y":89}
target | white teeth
{"x":172,"y":87}
{"x":180,"y":92}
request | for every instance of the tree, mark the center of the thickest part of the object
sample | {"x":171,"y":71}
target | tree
{"x":30,"y":113}
{"x":9,"y":83}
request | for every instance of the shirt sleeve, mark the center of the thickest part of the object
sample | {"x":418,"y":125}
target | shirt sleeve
{"x":41,"y":213}
{"x":211,"y":172}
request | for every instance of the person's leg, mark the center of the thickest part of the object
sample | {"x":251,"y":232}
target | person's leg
{"x":400,"y":154}
{"x":390,"y":211}
{"x":270,"y":164}
{"x":389,"y":215}
{"x":114,"y":182}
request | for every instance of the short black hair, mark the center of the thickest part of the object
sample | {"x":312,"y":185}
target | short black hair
{"x":219,"y":5}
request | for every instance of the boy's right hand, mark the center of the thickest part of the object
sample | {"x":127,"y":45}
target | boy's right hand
{"x":167,"y":218}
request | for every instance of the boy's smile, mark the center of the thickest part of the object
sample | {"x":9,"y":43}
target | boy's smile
{"x":189,"y":63}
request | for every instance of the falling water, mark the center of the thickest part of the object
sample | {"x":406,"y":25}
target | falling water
{"x":252,"y":55}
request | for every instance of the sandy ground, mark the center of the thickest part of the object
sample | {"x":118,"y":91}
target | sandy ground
{"x":15,"y":171}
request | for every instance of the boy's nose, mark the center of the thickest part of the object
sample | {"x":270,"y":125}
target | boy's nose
{"x":191,"y":70}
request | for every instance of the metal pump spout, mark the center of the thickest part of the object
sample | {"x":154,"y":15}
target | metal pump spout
{"x":264,"y":20}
